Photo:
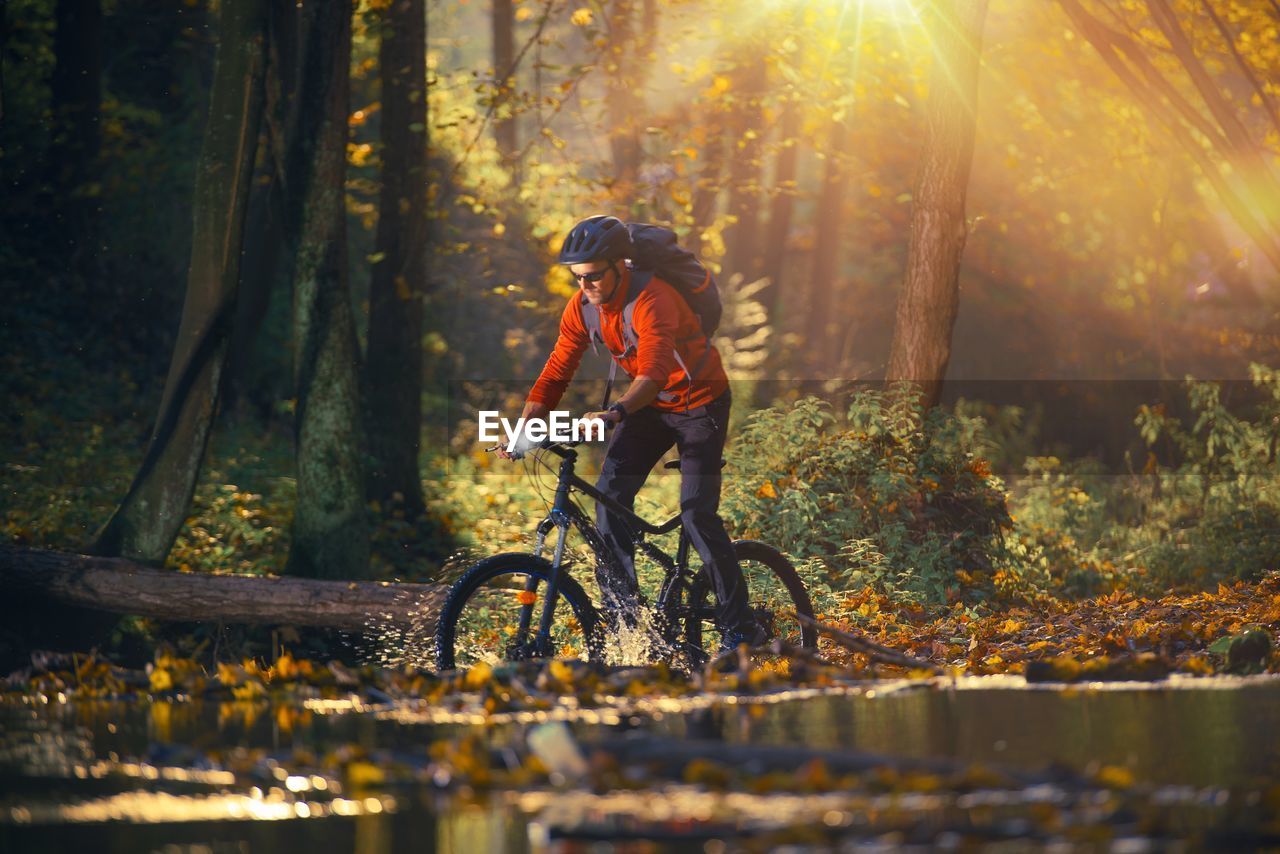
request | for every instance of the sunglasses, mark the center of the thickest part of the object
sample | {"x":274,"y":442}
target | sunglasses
{"x":591,"y":277}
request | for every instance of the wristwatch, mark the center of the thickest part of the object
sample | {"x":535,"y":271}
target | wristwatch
{"x":621,"y":410}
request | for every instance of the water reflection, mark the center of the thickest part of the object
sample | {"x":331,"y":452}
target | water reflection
{"x":1189,"y":737}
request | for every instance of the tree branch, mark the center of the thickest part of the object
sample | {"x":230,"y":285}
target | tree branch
{"x":1235,"y":131}
{"x":1114,"y":49}
{"x":872,"y":650}
{"x":1245,"y":68}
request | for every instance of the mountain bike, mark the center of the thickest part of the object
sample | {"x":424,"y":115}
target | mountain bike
{"x":519,"y":606}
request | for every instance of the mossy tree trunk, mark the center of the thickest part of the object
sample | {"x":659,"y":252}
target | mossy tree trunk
{"x":145,"y":525}
{"x":393,"y":374}
{"x":330,"y":524}
{"x":930,"y":296}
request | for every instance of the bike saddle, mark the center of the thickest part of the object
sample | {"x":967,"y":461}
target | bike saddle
{"x":675,"y":464}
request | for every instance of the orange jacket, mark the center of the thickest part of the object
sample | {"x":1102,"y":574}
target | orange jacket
{"x":663,"y":323}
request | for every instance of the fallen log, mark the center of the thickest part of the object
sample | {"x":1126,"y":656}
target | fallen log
{"x":123,"y":587}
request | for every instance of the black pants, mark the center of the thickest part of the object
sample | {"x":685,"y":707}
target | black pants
{"x":636,"y":446}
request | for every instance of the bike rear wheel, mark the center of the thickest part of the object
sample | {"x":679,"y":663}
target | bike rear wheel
{"x":492,"y":615}
{"x":775,"y":593}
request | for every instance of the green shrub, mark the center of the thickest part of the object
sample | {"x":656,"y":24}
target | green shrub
{"x":1213,"y":513}
{"x":887,"y":496}
{"x":1209,"y":511}
{"x":1062,"y":511}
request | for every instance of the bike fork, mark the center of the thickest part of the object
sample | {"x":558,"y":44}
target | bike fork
{"x":542,"y":640}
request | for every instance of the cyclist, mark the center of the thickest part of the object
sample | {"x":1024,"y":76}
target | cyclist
{"x":664,"y":405}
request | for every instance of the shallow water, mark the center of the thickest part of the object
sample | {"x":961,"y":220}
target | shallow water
{"x":137,"y":775}
{"x":1178,"y":733}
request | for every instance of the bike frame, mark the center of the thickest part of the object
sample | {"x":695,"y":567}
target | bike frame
{"x":564,"y":515}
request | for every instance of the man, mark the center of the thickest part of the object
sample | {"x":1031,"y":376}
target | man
{"x":665,"y":405}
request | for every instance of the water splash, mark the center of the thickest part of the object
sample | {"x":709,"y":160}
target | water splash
{"x":389,"y":644}
{"x":635,"y":640}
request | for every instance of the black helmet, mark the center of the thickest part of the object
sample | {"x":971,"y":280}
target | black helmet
{"x":597,"y":238}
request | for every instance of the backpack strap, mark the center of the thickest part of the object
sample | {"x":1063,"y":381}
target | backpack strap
{"x":631,"y":340}
{"x":591,"y":320}
{"x":591,"y":316}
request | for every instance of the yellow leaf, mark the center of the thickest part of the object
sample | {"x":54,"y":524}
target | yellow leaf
{"x":285,"y":667}
{"x":1115,"y":777}
{"x":230,"y":674}
{"x":478,"y":676}
{"x":561,"y":672}
{"x":766,"y":490}
{"x":361,"y":773}
{"x":161,"y":679}
{"x":582,"y":17}
{"x":250,"y":690}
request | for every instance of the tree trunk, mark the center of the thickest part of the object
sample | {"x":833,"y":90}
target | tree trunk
{"x":504,"y":57}
{"x":706,"y":189}
{"x":147,"y":521}
{"x":393,"y":375}
{"x":826,"y":250}
{"x":76,"y":99}
{"x":779,"y":226}
{"x":742,"y":240}
{"x":929,"y":300}
{"x":625,"y":60}
{"x":330,"y":525}
{"x":122,"y":587}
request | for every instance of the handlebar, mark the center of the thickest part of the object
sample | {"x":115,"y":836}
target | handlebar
{"x":560,"y":449}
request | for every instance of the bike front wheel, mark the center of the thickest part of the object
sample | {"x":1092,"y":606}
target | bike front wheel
{"x":493,"y":613}
{"x":775,"y":594}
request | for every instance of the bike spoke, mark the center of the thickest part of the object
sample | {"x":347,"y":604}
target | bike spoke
{"x":768,"y":596}
{"x":500,"y":622}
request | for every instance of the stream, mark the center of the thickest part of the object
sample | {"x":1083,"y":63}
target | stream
{"x":197,"y":776}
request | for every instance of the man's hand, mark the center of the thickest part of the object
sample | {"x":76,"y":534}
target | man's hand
{"x":608,"y":416}
{"x":532,"y":409}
